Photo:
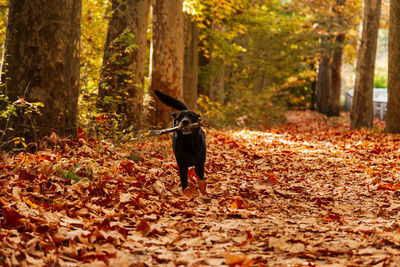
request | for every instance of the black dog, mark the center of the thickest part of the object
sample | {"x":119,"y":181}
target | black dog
{"x":189,"y":145}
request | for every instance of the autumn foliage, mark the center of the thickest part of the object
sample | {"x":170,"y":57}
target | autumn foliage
{"x":309,"y":193}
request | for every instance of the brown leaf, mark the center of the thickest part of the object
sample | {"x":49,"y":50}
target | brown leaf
{"x":12,"y":218}
{"x":143,"y":227}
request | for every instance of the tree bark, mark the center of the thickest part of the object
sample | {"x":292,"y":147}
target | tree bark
{"x":334,"y":98}
{"x":203,"y":82}
{"x":42,"y":65}
{"x":122,"y":75}
{"x":217,"y":72}
{"x":324,"y":84}
{"x":217,"y":92}
{"x":393,"y":109}
{"x":361,"y":114}
{"x":3,"y":24}
{"x":167,"y":55}
{"x":191,"y":62}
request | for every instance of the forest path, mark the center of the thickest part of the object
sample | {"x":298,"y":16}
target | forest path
{"x":310,"y":193}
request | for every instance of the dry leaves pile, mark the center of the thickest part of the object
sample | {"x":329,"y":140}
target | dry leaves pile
{"x":310,"y":193}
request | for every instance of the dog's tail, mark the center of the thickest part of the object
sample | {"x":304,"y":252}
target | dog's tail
{"x":170,"y":101}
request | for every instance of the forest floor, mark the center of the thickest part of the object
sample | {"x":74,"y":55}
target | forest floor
{"x":311,"y":192}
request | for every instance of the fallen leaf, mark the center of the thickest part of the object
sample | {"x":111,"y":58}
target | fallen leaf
{"x":235,"y":259}
{"x":143,"y":227}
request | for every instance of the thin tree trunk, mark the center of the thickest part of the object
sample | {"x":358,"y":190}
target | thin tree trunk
{"x":203,"y":82}
{"x":361,"y":114}
{"x":191,"y":61}
{"x":324,"y":84}
{"x":42,"y":65}
{"x":167,"y":55}
{"x":217,"y":80}
{"x":122,"y":75}
{"x":393,"y":109}
{"x":217,"y":73}
{"x":313,"y":94}
{"x":334,"y":98}
{"x":3,"y":49}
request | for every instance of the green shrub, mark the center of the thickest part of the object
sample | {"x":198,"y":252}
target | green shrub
{"x":19,"y":111}
{"x":244,"y":110}
{"x":380,"y":80}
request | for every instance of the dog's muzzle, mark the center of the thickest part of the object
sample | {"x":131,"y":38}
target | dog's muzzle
{"x":184,"y":123}
{"x":186,"y":131}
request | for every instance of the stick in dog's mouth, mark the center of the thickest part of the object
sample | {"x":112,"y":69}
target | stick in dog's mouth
{"x":181,"y":128}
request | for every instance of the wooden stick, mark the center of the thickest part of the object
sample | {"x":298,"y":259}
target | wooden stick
{"x":177,"y":128}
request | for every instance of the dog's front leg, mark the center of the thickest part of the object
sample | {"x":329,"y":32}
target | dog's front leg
{"x":199,"y":169}
{"x":183,"y":175}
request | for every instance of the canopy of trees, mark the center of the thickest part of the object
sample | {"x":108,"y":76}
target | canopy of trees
{"x":239,"y":63}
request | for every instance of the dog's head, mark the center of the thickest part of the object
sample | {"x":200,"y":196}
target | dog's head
{"x":185,"y":118}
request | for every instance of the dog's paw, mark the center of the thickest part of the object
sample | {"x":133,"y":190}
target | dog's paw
{"x":203,"y":186}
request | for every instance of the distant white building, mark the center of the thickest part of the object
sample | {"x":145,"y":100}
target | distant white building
{"x":379,"y":101}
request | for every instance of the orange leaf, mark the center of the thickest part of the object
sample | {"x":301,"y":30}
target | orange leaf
{"x":30,"y":203}
{"x":238,"y":203}
{"x":234,"y":259}
{"x":192,"y":173}
{"x":389,"y":186}
{"x":272,"y":178}
{"x":250,"y":237}
{"x":331,"y":218}
{"x":57,"y":238}
{"x":189,"y":192}
{"x":81,"y":132}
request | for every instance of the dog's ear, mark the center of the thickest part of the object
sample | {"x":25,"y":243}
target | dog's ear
{"x":172,"y":114}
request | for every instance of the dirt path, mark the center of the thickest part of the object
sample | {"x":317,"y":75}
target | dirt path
{"x":312,"y":193}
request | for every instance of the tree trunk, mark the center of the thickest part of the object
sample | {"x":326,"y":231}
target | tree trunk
{"x":122,"y":75}
{"x":361,"y":114}
{"x":191,"y":62}
{"x":334,"y":98}
{"x":393,"y":109}
{"x":203,"y":82}
{"x":217,"y":80}
{"x":167,"y":55}
{"x":42,"y":65}
{"x":313,"y":93}
{"x":324,"y":84}
{"x":3,"y":54}
{"x":217,"y":72}
{"x":3,"y":24}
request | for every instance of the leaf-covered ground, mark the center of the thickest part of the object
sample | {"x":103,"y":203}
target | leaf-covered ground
{"x":310,"y":193}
